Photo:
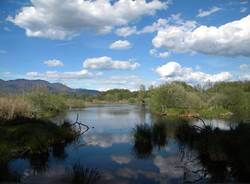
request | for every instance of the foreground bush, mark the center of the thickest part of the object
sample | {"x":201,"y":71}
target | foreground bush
{"x":223,"y":153}
{"x":32,"y":136}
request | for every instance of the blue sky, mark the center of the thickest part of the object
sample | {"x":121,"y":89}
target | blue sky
{"x":107,"y":44}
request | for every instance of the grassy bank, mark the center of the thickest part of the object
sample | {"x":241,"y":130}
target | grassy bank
{"x":210,"y":112}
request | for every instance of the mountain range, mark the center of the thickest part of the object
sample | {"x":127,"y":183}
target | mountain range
{"x":23,"y":85}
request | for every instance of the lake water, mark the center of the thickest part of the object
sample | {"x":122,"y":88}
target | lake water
{"x":126,"y":144}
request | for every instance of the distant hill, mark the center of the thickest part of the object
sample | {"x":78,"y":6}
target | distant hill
{"x":23,"y":85}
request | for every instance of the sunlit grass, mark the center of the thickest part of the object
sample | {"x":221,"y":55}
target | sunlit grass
{"x":12,"y":107}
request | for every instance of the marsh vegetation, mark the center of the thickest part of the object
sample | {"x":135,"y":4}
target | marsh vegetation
{"x":27,"y":132}
{"x":219,"y":100}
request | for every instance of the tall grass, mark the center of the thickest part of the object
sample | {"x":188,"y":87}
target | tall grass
{"x":39,"y":103}
{"x":83,"y":175}
{"x":36,"y":104}
{"x":12,"y":107}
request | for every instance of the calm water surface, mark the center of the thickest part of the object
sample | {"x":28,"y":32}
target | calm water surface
{"x":126,"y":144}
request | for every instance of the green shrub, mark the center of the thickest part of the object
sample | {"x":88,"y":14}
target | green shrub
{"x":46,"y":104}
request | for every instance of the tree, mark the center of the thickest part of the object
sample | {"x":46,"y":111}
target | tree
{"x":142,"y":95}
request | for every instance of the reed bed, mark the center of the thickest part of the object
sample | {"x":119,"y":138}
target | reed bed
{"x":12,"y":107}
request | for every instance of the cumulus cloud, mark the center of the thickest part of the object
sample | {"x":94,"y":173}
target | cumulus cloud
{"x":126,"y":31}
{"x":231,"y":39}
{"x":159,"y":24}
{"x":83,"y":74}
{"x":49,"y":19}
{"x":154,"y":27}
{"x":173,"y":71}
{"x":53,"y":63}
{"x":107,"y":63}
{"x":120,"y":44}
{"x":204,"y":13}
{"x":155,"y":53}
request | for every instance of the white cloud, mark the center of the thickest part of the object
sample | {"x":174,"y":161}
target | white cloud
{"x":231,"y":39}
{"x":243,"y":10}
{"x":7,"y":73}
{"x":168,"y":166}
{"x":173,"y":71}
{"x":155,"y":53}
{"x":155,"y":26}
{"x":161,"y":24}
{"x":120,"y":44}
{"x":107,"y":63}
{"x":204,"y":13}
{"x":244,"y":66}
{"x":126,"y":31}
{"x":50,"y":19}
{"x":83,"y":74}
{"x":53,"y":63}
{"x":106,"y":140}
{"x":121,"y":159}
{"x":131,"y":82}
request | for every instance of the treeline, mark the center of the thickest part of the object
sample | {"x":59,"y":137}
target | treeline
{"x":218,"y":100}
{"x":116,"y":96}
{"x":171,"y":99}
{"x":180,"y":99}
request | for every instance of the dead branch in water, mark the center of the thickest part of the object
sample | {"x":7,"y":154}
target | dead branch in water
{"x":80,"y":125}
{"x":200,"y":120}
